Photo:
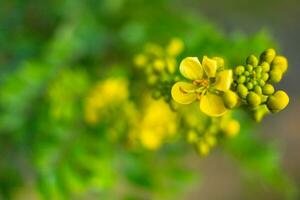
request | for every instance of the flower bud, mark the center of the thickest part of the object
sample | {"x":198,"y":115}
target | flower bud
{"x":241,"y":79}
{"x":257,"y":89}
{"x":265,"y":66}
{"x":242,"y":90}
{"x":278,"y":101}
{"x":268,"y":89}
{"x":252,"y":60}
{"x":275,"y":75}
{"x":230,"y":99}
{"x":280,"y":62}
{"x":239,"y":70}
{"x":268,"y":55}
{"x":192,"y":137}
{"x":260,"y":112}
{"x":261,"y":82}
{"x":250,"y":86}
{"x":253,"y":99}
{"x":265,"y":76}
{"x":231,"y":128}
{"x":203,"y":148}
{"x":249,"y":68}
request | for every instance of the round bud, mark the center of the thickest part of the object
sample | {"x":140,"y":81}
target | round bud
{"x":242,"y":90}
{"x":278,"y":101}
{"x":203,"y":148}
{"x":265,"y":76}
{"x":254,"y":82}
{"x":257,"y":89}
{"x":249,"y":68}
{"x":261,"y":82}
{"x":264,"y":98}
{"x":275,"y":75}
{"x":241,"y":79}
{"x":265,"y":66}
{"x":231,"y":129}
{"x":268,"y":55}
{"x":250,"y":86}
{"x":268,"y":89}
{"x":253,"y":99}
{"x":230,"y":99}
{"x":252,"y":60}
{"x":258,"y":70}
{"x":281,"y":63}
{"x":239,"y":70}
{"x":246,"y":73}
{"x":258,"y":76}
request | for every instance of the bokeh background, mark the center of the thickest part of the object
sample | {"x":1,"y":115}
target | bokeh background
{"x":39,"y":38}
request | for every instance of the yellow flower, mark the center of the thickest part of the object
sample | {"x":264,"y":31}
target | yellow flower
{"x":155,"y":127}
{"x":107,"y":93}
{"x":207,"y":85}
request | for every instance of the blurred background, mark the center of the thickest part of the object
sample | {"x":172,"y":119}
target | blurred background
{"x":53,"y":52}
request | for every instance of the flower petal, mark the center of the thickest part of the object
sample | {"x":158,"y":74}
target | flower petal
{"x":209,"y":66}
{"x":180,"y":96}
{"x":191,"y":68}
{"x":223,"y":80}
{"x":212,"y":105}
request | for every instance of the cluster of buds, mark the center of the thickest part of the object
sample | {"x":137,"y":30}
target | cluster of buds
{"x":206,"y":139}
{"x":254,"y":83}
{"x":159,"y":64}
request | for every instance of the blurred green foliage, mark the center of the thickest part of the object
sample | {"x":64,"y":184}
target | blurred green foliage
{"x":51,"y":54}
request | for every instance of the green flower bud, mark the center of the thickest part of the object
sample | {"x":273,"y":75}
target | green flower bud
{"x":253,"y":99}
{"x":278,"y":101}
{"x":156,"y":94}
{"x":260,"y":112}
{"x":248,"y":79}
{"x":241,"y":79}
{"x":265,"y":66}
{"x":239,"y":70}
{"x":250,"y":86}
{"x":265,"y":76}
{"x":280,"y":62}
{"x":261,"y":82}
{"x":254,"y":82}
{"x":258,"y":70}
{"x":258,"y":76}
{"x":268,"y":55}
{"x":230,"y":99}
{"x":249,"y":68}
{"x":203,"y":148}
{"x":242,"y":90}
{"x":246,"y":73}
{"x":252,"y":60}
{"x":275,"y":75}
{"x":264,"y":98}
{"x":257,"y":89}
{"x":268,"y":89}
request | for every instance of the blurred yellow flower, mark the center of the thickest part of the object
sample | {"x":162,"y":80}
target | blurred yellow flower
{"x":207,"y":85}
{"x":105,"y":94}
{"x":157,"y":124}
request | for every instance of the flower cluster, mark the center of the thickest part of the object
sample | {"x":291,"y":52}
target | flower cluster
{"x":254,"y":83}
{"x":219,"y":89}
{"x":159,"y":65}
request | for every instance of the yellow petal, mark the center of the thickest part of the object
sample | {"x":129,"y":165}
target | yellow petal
{"x":191,"y":68}
{"x":180,"y":92}
{"x":212,"y":105}
{"x":209,"y":66}
{"x":223,"y":80}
